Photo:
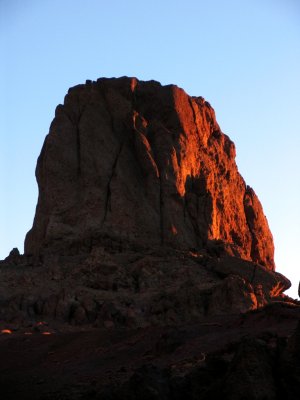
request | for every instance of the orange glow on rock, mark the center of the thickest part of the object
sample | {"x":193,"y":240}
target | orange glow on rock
{"x":133,"y":84}
{"x":46,"y":333}
{"x":6,"y":331}
{"x":174,"y":230}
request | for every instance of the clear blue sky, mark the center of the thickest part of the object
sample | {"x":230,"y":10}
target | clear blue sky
{"x":243,"y":56}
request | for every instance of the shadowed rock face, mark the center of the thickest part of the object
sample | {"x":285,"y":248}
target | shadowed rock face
{"x":143,"y":164}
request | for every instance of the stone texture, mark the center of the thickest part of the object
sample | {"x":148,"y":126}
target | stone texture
{"x":265,"y":283}
{"x":144,"y":164}
{"x":250,"y":376}
{"x":148,"y":272}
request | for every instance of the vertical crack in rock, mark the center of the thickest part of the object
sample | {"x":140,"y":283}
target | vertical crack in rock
{"x":161,"y":196}
{"x":250,"y":216}
{"x":80,"y":113}
{"x":78,"y":147}
{"x":196,"y":224}
{"x":193,"y":219}
{"x":194,"y":116}
{"x":161,"y":210}
{"x":75,"y":121}
{"x":107,"y":207}
{"x":253,"y":273}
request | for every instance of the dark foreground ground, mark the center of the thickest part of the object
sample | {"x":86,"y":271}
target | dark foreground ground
{"x":249,"y":356}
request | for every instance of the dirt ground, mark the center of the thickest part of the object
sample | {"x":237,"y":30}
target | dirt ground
{"x":62,"y":362}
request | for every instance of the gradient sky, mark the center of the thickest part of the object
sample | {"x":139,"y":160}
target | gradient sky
{"x":243,"y":56}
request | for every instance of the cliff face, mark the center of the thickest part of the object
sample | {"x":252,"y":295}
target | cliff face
{"x":145,"y":164}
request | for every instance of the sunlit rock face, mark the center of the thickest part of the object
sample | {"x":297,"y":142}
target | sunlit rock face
{"x":144,"y":164}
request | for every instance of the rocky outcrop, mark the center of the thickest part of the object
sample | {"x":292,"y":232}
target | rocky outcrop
{"x":148,"y":272}
{"x":131,"y":289}
{"x":142,"y":219}
{"x":145,"y":165}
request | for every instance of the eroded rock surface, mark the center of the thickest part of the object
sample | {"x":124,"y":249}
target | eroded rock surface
{"x":130,"y":288}
{"x":148,"y":272}
{"x":143,"y":164}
